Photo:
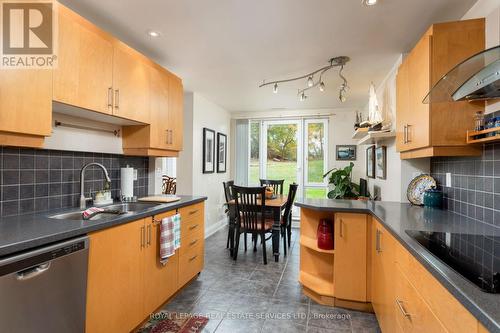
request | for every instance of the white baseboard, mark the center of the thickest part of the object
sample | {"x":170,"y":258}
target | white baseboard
{"x":212,"y":229}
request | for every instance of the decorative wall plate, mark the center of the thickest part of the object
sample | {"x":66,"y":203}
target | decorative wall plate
{"x":417,"y":188}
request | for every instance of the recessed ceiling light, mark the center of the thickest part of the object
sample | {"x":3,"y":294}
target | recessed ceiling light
{"x":153,"y":33}
{"x":369,"y":2}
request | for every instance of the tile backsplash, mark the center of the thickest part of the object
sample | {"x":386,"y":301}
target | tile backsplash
{"x":475,"y":185}
{"x":40,"y":180}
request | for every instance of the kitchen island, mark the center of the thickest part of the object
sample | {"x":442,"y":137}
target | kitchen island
{"x":376,"y":265}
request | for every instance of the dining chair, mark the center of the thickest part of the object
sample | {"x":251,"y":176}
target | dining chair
{"x":286,"y":219}
{"x":277,"y":185}
{"x":228,"y":193}
{"x":250,"y":203}
{"x":169,"y":185}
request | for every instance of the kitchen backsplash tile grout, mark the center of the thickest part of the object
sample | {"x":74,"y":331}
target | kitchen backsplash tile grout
{"x":39,"y":180}
{"x":475,"y":190}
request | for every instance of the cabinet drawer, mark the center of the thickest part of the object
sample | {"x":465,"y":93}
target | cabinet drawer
{"x":453,"y":316}
{"x":191,"y":241}
{"x":191,"y":263}
{"x":412,"y":313}
{"x":192,"y":212}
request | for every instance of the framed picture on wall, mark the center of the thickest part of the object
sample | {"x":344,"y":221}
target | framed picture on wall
{"x":221,"y":152}
{"x":345,"y":152}
{"x":381,"y":162}
{"x":370,"y":162}
{"x":208,"y":151}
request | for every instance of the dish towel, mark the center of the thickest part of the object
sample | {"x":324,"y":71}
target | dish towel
{"x":169,"y":237}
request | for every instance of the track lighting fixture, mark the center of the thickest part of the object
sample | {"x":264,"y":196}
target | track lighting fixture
{"x":310,"y":82}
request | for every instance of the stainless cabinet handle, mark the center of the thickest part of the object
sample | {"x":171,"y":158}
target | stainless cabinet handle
{"x":193,"y":227}
{"x":193,"y":212}
{"x":171,"y":136}
{"x":32,"y":272}
{"x":117,"y":98}
{"x":193,"y":258}
{"x":402,"y":309}
{"x":408,"y":133}
{"x":377,"y":241}
{"x":110,"y":97}
{"x":193,"y":242}
{"x":341,"y":223}
{"x":149,"y":234}
{"x":404,"y":134}
{"x":166,"y":137}
{"x":143,"y":236}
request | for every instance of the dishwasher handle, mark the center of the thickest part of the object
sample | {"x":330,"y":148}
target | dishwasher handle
{"x":32,"y":272}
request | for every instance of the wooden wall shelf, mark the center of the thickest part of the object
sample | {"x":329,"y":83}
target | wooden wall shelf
{"x":372,"y":138}
{"x":472,"y":134}
{"x":360,"y":133}
{"x":312,"y":243}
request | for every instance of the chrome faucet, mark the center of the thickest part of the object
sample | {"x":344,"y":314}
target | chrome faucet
{"x":83,"y":199}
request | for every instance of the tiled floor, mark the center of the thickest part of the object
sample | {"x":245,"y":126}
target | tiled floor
{"x":247,"y":296}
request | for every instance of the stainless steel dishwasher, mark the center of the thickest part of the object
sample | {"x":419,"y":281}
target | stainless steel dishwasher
{"x":44,"y":290}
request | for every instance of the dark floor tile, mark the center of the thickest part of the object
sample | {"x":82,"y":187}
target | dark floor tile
{"x":329,"y":318}
{"x":291,"y":292}
{"x":274,"y":325}
{"x":287,"y":311}
{"x":236,"y":325}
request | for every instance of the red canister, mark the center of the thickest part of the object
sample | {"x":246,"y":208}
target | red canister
{"x":325,"y":235}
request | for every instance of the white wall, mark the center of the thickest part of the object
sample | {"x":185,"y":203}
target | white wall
{"x":199,"y":113}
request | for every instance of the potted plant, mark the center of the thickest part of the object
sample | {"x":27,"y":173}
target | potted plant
{"x":342,"y":185}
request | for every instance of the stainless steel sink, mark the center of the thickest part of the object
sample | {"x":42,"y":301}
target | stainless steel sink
{"x":123,"y":208}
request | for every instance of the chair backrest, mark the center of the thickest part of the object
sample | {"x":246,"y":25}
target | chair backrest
{"x":250,"y":202}
{"x":277,"y":185}
{"x":169,"y":185}
{"x":287,"y":215}
{"x":228,"y":190}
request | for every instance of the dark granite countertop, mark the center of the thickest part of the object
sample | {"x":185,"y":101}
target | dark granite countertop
{"x":399,"y":217}
{"x":22,"y":232}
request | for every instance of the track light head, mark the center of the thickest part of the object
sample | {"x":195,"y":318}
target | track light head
{"x":275,"y":88}
{"x":310,"y":81}
{"x":322,"y":86}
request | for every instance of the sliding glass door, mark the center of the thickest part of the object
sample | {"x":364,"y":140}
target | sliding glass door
{"x":291,"y":149}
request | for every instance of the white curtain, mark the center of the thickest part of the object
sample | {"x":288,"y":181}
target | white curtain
{"x":241,"y":152}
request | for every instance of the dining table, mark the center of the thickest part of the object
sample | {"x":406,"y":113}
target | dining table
{"x":273,"y":207}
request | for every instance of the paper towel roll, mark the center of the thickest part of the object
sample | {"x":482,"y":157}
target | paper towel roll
{"x":127,"y":182}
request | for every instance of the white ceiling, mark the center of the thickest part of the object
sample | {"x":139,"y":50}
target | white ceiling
{"x":223,"y":49}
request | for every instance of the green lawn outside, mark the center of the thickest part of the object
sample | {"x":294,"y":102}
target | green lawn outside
{"x":288,"y":171}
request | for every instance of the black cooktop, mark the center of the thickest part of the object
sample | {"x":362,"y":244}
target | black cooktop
{"x":475,"y":257}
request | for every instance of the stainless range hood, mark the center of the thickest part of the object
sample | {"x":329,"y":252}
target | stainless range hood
{"x":477,"y":78}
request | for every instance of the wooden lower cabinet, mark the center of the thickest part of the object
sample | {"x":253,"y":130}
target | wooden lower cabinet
{"x":383,"y":267}
{"x":115,"y":280}
{"x":126,"y":282}
{"x":349,"y":266}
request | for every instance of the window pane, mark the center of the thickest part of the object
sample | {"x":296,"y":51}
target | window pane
{"x":253,"y":171}
{"x":315,"y":193}
{"x":315,"y":152}
{"x":282,"y":153}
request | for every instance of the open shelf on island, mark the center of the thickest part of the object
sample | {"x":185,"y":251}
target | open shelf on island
{"x":312,"y":243}
{"x":471,"y":136}
{"x":319,"y":285}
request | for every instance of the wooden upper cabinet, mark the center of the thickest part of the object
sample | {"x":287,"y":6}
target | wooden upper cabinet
{"x":131,"y":84}
{"x":84,"y":75}
{"x":436,"y":129}
{"x":25,"y":105}
{"x":159,"y":106}
{"x":163,"y":136}
{"x":176,"y":113}
{"x":350,"y":266}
